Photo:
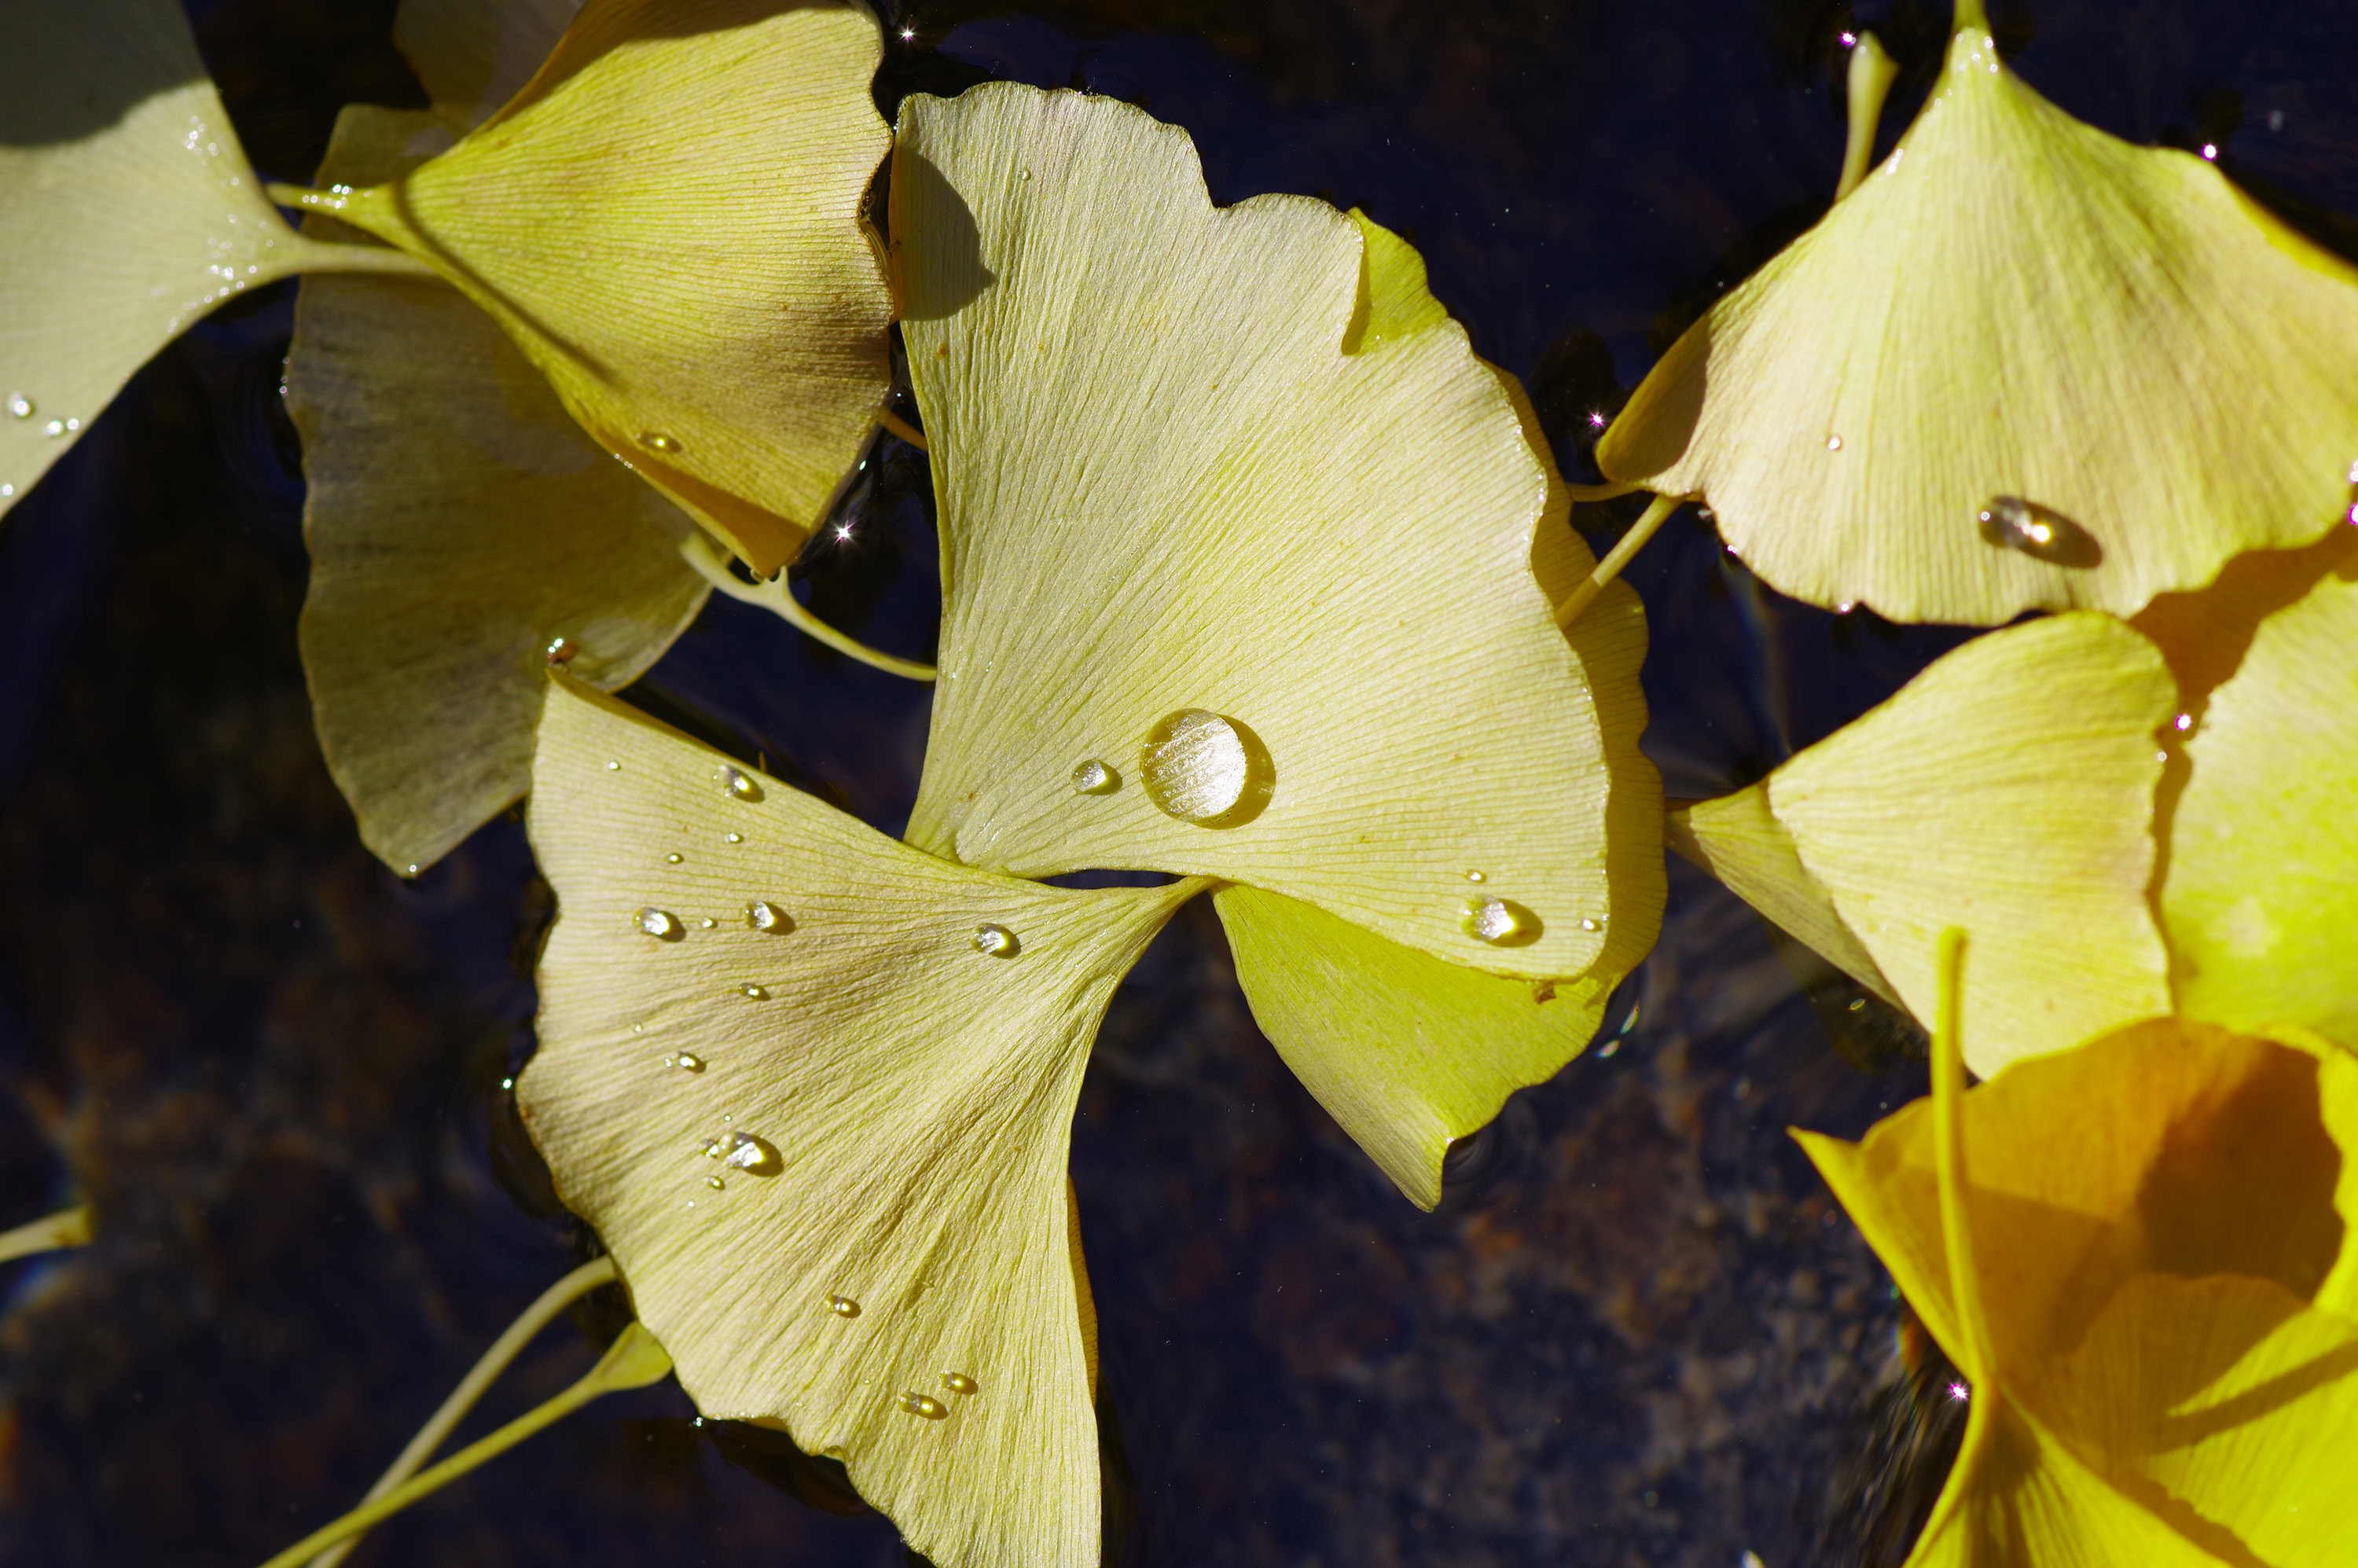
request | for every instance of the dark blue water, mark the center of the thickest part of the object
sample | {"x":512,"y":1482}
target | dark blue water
{"x":1635,"y":1333}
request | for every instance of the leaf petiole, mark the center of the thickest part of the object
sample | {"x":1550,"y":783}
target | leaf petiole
{"x":632,"y":1361}
{"x":712,"y":563}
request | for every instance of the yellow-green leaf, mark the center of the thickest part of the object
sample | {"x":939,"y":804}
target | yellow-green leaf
{"x":1405,"y":1051}
{"x":2009,"y":790}
{"x":126,"y":212}
{"x":667,"y":221}
{"x":2013,"y":308}
{"x":2261,"y":900}
{"x":1198,"y":552}
{"x":1739,"y":840}
{"x":814,"y":1090}
{"x":460,"y":526}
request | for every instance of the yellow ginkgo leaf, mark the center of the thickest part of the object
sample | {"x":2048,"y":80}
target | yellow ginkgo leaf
{"x":2138,"y":1253}
{"x":126,"y":212}
{"x":2023,"y":365}
{"x":463,"y":532}
{"x":2261,"y":897}
{"x":814,"y":1090}
{"x":666,"y":220}
{"x":1239,"y":555}
{"x":1739,"y":840}
{"x":2008,"y":789}
{"x":1405,"y":1051}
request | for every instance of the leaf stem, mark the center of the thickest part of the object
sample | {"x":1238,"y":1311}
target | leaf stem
{"x":1972,"y":1352}
{"x":903,"y":429}
{"x":712,"y":563}
{"x":1872,"y":72}
{"x":1649,"y":521}
{"x":504,"y":1349}
{"x":632,"y":1361}
{"x":51,"y":1233}
{"x":1969,"y":13}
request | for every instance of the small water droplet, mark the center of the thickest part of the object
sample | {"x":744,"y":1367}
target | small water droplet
{"x":54,"y":427}
{"x":959,"y":1383}
{"x":660,"y":922}
{"x":1500,"y":921}
{"x":674,"y":859}
{"x":2184,"y":723}
{"x":411,"y":870}
{"x":2039,"y":532}
{"x":560,"y":649}
{"x":756,"y":993}
{"x":656,"y":441}
{"x":995,"y":940}
{"x":715,"y":1183}
{"x":843,"y":1306}
{"x":763,"y":915}
{"x":1589,"y":923}
{"x":743,"y":1151}
{"x":1475,"y":877}
{"x":707,"y":923}
{"x":1093,"y":777}
{"x":1206,"y":768}
{"x":737,"y":782}
{"x":613,"y":766}
{"x":1024,"y":173}
{"x":732,"y":838}
{"x":1833,"y":443}
{"x":686,"y":1061}
{"x":924,"y":1405}
{"x":21,"y":408}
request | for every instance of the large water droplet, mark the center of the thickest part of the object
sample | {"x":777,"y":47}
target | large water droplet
{"x":2039,"y":532}
{"x":743,"y":1151}
{"x":1500,"y":921}
{"x":1093,"y":777}
{"x":959,"y":1383}
{"x":656,"y":441}
{"x":924,"y":1405}
{"x":1206,"y":768}
{"x":660,"y":922}
{"x":843,"y":1306}
{"x":995,"y":940}
{"x":763,"y":915}
{"x":737,"y":782}
{"x":21,"y":408}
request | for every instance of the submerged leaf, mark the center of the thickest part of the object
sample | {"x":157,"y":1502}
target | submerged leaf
{"x":2261,"y":897}
{"x":666,"y":220}
{"x":2103,"y":357}
{"x":2161,"y":1228}
{"x":463,"y":533}
{"x":126,"y":212}
{"x":1238,"y":543}
{"x":815,"y":1091}
{"x":2009,"y":790}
